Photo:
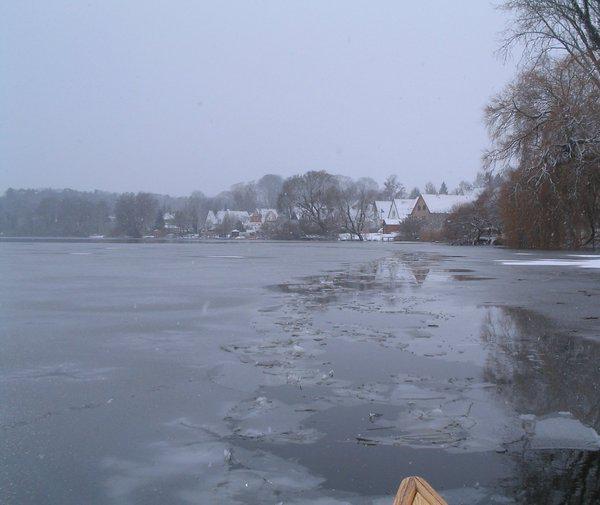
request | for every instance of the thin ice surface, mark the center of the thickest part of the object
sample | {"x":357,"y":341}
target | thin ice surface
{"x":295,"y":373}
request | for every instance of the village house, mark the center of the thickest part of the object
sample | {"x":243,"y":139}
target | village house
{"x":214,"y":220}
{"x":381,"y":211}
{"x":169,"y":220}
{"x":169,"y":227}
{"x":389,"y":215}
{"x":401,"y":209}
{"x":259,"y":217}
{"x":433,"y":210}
{"x":428,"y":205}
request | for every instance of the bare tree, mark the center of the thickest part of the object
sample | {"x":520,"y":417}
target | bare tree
{"x":135,"y":214}
{"x":312,"y":195}
{"x":463,"y":188}
{"x":195,"y":210}
{"x":411,"y":227}
{"x":286,"y":201}
{"x":146,"y":206}
{"x":430,"y":189}
{"x":474,"y":222}
{"x":226,"y":226}
{"x":181,"y":219}
{"x":546,"y":125}
{"x":543,"y":27}
{"x":268,"y":188}
{"x":353,"y":202}
{"x":414,"y":193}
{"x":392,"y":188}
{"x":244,"y":196}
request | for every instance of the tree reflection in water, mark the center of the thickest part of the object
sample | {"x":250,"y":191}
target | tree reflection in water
{"x":540,"y":370}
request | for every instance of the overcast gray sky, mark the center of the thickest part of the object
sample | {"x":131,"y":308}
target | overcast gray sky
{"x":174,"y":96}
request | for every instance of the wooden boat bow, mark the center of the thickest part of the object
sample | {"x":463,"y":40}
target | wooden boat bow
{"x":417,"y":491}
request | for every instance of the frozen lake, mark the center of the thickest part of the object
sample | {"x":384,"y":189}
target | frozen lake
{"x":296,"y":373}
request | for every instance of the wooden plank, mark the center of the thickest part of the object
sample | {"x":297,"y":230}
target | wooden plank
{"x":419,"y":500}
{"x":417,"y":491}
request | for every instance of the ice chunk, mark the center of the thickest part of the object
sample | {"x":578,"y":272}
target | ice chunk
{"x":585,"y":262}
{"x":561,"y":432}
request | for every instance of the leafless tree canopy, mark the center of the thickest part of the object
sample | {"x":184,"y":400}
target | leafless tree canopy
{"x":543,"y":27}
{"x":393,"y":188}
{"x":545,"y":125}
{"x":353,"y":201}
{"x":545,"y":128}
{"x":547,"y":116}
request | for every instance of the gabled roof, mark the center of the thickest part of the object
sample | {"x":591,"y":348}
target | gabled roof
{"x":383,"y":208}
{"x":443,"y":204}
{"x":266,"y":211}
{"x":268,"y":214}
{"x":240,"y":215}
{"x":404,"y":207}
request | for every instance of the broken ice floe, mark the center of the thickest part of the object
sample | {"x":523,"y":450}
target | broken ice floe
{"x":583,"y":261}
{"x":202,"y":473}
{"x":560,"y":431}
{"x":270,"y":420}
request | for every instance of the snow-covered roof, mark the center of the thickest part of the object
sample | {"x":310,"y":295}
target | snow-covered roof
{"x":404,"y":207}
{"x":238,"y":215}
{"x":443,"y":204}
{"x":211,"y":218}
{"x":266,"y":211}
{"x":214,"y":219}
{"x":270,"y":214}
{"x":383,"y":208}
{"x":167,"y":216}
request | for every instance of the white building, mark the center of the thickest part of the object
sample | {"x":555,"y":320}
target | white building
{"x":216,"y":219}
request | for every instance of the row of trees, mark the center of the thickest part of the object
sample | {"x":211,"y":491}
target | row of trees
{"x":55,"y":213}
{"x":69,"y":213}
{"x":393,"y":188}
{"x":479,"y":221}
{"x":325,"y":205}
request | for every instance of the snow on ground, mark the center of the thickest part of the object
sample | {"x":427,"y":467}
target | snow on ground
{"x":369,"y":237}
{"x":579,"y":260}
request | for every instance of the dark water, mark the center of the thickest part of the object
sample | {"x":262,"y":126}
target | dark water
{"x":240,"y":372}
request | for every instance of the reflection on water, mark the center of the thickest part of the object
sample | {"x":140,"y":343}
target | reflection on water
{"x":538,"y":373}
{"x":541,"y":371}
{"x":390,"y":274}
{"x":551,"y":477}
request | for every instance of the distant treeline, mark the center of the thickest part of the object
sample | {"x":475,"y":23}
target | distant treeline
{"x":70,"y":213}
{"x":48,"y":212}
{"x":329,"y":205}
